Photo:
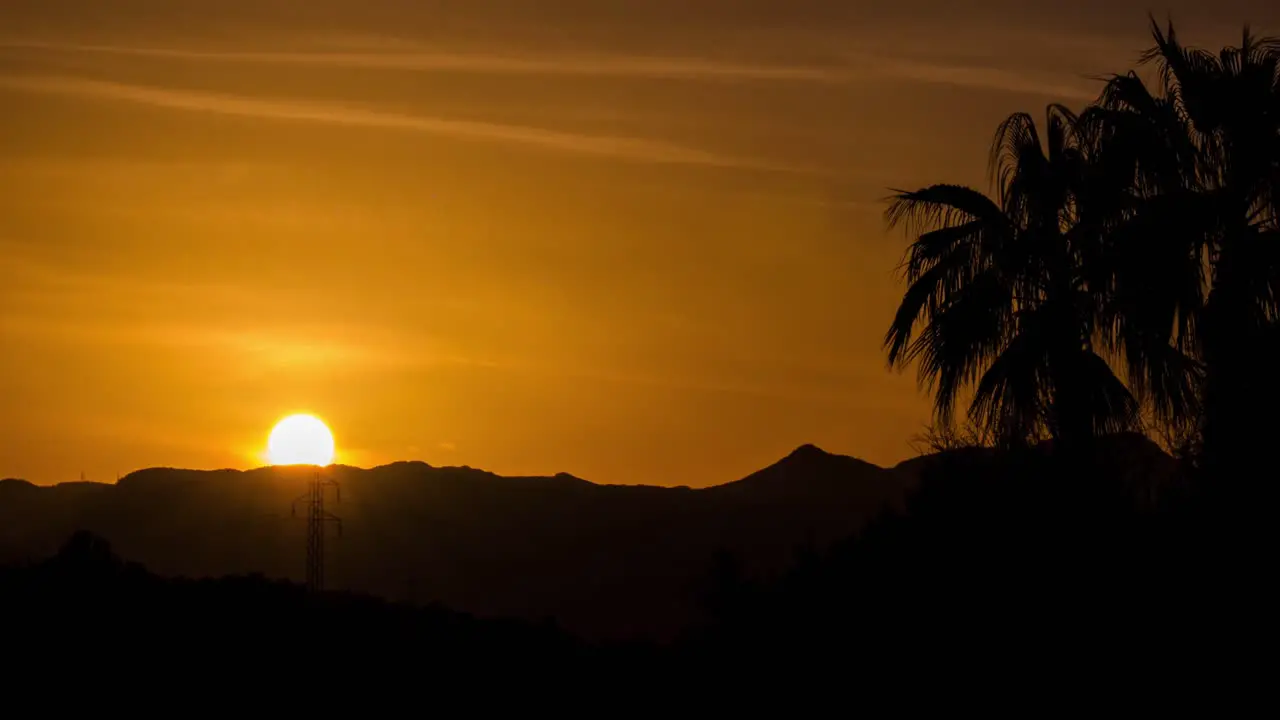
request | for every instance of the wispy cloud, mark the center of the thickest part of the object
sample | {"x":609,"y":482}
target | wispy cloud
{"x":978,"y":77}
{"x":802,"y":393}
{"x":622,"y":148}
{"x":851,"y":68}
{"x":335,"y":349}
{"x":50,"y":302}
{"x":676,"y":68}
{"x":65,"y":281}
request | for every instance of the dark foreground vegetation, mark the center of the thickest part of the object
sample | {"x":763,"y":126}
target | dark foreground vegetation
{"x":89,"y":600}
{"x":1004,"y":578}
{"x":606,"y":562}
{"x":1029,"y":573}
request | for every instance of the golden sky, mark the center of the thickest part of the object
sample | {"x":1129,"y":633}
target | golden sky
{"x":637,"y":241}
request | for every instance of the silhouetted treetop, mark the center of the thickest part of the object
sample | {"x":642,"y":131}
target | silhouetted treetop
{"x":1139,"y":239}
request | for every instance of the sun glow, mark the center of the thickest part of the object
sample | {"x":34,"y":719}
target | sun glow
{"x":300,"y":440}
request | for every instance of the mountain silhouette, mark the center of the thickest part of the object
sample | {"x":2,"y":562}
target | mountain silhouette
{"x":808,"y":469}
{"x":604,"y":561}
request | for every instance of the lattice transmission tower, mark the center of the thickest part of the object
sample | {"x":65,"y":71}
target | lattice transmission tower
{"x":317,"y":520}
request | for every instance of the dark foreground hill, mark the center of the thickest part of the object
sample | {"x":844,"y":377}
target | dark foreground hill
{"x":603,"y":561}
{"x":87,"y":600}
{"x":1014,"y":579}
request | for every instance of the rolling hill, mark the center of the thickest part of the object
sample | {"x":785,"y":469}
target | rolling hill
{"x":604,"y":561}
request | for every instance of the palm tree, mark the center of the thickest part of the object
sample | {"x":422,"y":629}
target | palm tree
{"x":1194,"y":248}
{"x":1000,"y":301}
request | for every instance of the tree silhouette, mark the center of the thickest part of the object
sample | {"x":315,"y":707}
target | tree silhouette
{"x":1195,"y":247}
{"x":1003,"y":292}
{"x":1146,"y":232}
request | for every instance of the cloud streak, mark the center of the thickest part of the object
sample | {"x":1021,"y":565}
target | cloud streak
{"x":676,"y":68}
{"x":39,"y":295}
{"x":619,"y":148}
{"x":332,"y":350}
{"x":65,"y":281}
{"x":977,"y":77}
{"x":854,"y":68}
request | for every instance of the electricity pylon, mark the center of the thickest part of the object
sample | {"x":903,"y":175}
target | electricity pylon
{"x":317,"y":519}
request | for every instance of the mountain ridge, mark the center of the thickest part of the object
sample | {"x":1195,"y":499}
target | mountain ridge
{"x":614,"y":561}
{"x":806,"y":450}
{"x":605,"y":561}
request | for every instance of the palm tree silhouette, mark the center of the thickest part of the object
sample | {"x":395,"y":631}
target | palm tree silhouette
{"x":1195,"y":247}
{"x":1003,"y":293}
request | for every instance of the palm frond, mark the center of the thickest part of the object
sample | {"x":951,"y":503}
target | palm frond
{"x":1008,"y":401}
{"x":938,"y":206}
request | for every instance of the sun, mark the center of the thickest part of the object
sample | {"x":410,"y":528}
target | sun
{"x":300,"y":440}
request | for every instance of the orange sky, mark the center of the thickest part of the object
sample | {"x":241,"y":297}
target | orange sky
{"x":636,"y":241}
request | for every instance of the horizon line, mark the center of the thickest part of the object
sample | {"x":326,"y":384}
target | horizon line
{"x":339,"y":465}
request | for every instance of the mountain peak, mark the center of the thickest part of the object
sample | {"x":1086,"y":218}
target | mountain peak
{"x":807,"y":451}
{"x":806,"y":468}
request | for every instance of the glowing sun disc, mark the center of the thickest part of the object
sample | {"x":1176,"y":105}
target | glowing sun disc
{"x":300,"y":440}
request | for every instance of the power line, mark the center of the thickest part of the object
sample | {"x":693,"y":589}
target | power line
{"x":317,"y":519}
